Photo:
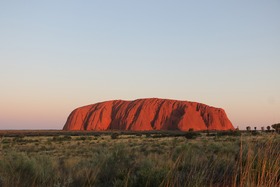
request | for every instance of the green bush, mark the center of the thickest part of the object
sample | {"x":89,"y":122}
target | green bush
{"x":211,"y":134}
{"x":148,"y":174}
{"x":148,"y":135}
{"x":18,"y":169}
{"x":192,"y":135}
{"x":114,"y":135}
{"x":67,"y":138}
{"x":83,"y":138}
{"x":62,"y":138}
{"x":19,"y":139}
{"x":6,"y":141}
{"x":255,"y":133}
{"x":138,"y":134}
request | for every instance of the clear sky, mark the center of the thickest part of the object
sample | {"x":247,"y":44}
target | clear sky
{"x":59,"y":55}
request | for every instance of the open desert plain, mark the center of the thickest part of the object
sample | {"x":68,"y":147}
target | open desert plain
{"x":148,"y":158}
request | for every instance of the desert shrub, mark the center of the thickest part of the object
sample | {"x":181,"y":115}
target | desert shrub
{"x":6,"y":141}
{"x":255,"y":133}
{"x":192,"y":135}
{"x":20,"y":135}
{"x":56,"y":138}
{"x":84,"y":174}
{"x":189,"y":163}
{"x":18,"y":169}
{"x":105,"y":167}
{"x":117,"y":163}
{"x":159,"y":135}
{"x":5,"y":146}
{"x":83,"y":138}
{"x":67,"y":137}
{"x":211,"y":134}
{"x":62,"y":138}
{"x":19,"y":139}
{"x":114,"y":135}
{"x":148,"y":174}
{"x":138,"y":134}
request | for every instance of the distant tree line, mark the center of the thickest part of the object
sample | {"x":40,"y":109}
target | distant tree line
{"x":276,"y":127}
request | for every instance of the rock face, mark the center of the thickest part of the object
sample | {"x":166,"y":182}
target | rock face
{"x":148,"y":114}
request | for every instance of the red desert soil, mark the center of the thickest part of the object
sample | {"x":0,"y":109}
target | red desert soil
{"x":148,"y":114}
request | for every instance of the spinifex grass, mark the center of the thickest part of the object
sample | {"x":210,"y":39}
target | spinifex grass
{"x":258,"y":164}
{"x":132,"y":160}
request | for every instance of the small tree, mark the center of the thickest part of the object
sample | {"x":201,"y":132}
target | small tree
{"x":262,"y":128}
{"x":255,"y":128}
{"x":276,"y":127}
{"x":268,"y":128}
{"x":248,"y":128}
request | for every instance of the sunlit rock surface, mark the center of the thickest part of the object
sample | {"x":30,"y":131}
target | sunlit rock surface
{"x":148,"y":114}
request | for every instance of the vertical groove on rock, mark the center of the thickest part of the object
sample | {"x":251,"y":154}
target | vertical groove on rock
{"x":156,"y":115}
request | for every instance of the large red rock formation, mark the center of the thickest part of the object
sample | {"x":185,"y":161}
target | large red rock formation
{"x":148,"y":114}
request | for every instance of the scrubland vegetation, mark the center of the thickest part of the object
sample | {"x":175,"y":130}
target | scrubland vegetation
{"x":140,"y":159}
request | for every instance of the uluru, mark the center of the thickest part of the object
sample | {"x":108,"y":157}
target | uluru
{"x":148,"y":114}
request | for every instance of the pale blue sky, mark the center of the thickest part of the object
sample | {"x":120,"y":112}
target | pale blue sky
{"x":58,"y":55}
